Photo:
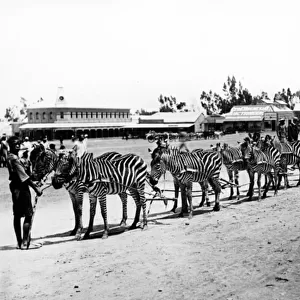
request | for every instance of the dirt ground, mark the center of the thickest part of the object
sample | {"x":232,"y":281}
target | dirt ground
{"x":247,"y":250}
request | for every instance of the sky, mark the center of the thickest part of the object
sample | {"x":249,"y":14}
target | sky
{"x":125,"y":53}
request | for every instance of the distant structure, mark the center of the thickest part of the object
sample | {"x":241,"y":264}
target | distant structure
{"x":61,"y":119}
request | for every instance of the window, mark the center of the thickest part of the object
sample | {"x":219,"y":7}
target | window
{"x":81,"y":115}
{"x":123,"y":115}
{"x":97,"y":115}
{"x":44,"y":116}
{"x":110,"y":115}
{"x":61,"y":114}
{"x":37,"y":116}
{"x":115,"y":114}
{"x":71,"y":115}
{"x":50,"y":115}
{"x":102,"y":115}
{"x":119,"y":115}
{"x":76,"y":115}
{"x":127,"y":115}
{"x":106,"y":115}
{"x":86,"y":114}
{"x":91,"y":115}
{"x":30,"y":116}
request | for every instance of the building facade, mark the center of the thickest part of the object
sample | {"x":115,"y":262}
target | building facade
{"x":60,"y":120}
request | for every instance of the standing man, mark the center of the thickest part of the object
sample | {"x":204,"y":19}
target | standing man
{"x":293,"y":130}
{"x":79,"y":146}
{"x":19,"y":187}
{"x":282,"y":131}
{"x":45,"y":142}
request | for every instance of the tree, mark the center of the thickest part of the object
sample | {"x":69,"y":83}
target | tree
{"x":16,"y":113}
{"x":169,"y":104}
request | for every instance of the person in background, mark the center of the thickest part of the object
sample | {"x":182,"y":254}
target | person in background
{"x":45,"y":142}
{"x":61,"y":140}
{"x":183,"y":137}
{"x":79,"y":146}
{"x":4,"y":149}
{"x":52,"y":147}
{"x":19,"y":186}
{"x":282,"y":131}
{"x":85,"y":141}
{"x":293,"y":130}
{"x":26,"y":145}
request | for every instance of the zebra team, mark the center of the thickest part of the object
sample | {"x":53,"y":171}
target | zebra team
{"x":114,"y":173}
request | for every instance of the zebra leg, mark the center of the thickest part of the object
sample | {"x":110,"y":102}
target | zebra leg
{"x":102,"y":201}
{"x":230,"y":175}
{"x":236,"y":181}
{"x":205,"y":198}
{"x":144,"y":206}
{"x":298,"y":164}
{"x":79,"y":199}
{"x":136,"y":199}
{"x":75,"y":210}
{"x":259,"y":185}
{"x":183,"y":200}
{"x":123,"y":197}
{"x":176,"y":188}
{"x":190,"y":199}
{"x":93,"y":205}
{"x":251,"y":186}
{"x":217,"y":189}
{"x":268,"y":183}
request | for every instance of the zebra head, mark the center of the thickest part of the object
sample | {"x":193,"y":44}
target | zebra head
{"x":157,"y":166}
{"x":66,"y":169}
{"x":246,"y":149}
{"x":44,"y":162}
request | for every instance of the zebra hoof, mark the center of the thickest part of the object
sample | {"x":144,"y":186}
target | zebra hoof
{"x":78,"y":236}
{"x":201,"y":204}
{"x":208,"y":204}
{"x":180,"y":215}
{"x":173,"y":210}
{"x":230,"y":198}
{"x":216,"y":207}
{"x":145,"y":227}
{"x":123,"y":224}
{"x":104,"y":236}
{"x":190,"y":216}
{"x":263,"y":197}
{"x":86,"y":236}
{"x":73,"y":232}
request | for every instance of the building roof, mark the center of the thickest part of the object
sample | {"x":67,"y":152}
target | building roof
{"x":162,"y":125}
{"x":177,"y":117}
{"x":70,"y":126}
{"x":69,"y":104}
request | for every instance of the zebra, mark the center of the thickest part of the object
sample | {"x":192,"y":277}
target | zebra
{"x":261,"y":162}
{"x":290,"y":155}
{"x":233,"y":160}
{"x":176,"y":183}
{"x":46,"y":161}
{"x":105,"y":177}
{"x":188,"y":167}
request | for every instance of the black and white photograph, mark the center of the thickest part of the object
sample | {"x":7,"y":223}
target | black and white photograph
{"x":149,"y":150}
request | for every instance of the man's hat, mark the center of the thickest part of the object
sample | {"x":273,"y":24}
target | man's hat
{"x":281,"y":119}
{"x":295,"y":119}
{"x":13,"y":140}
{"x":26,"y":138}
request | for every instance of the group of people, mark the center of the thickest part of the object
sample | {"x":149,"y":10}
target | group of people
{"x":289,"y":133}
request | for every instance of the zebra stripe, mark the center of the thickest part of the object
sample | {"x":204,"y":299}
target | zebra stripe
{"x":106,"y":177}
{"x":261,"y":162}
{"x":188,"y":167}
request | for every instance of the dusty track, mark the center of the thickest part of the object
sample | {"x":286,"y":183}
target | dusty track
{"x":248,"y":250}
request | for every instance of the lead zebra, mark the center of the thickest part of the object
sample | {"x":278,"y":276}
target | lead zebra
{"x":188,"y":167}
{"x":106,"y":177}
{"x":261,"y":162}
{"x":45,"y":161}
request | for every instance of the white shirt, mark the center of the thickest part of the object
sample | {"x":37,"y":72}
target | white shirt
{"x":80,"y":148}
